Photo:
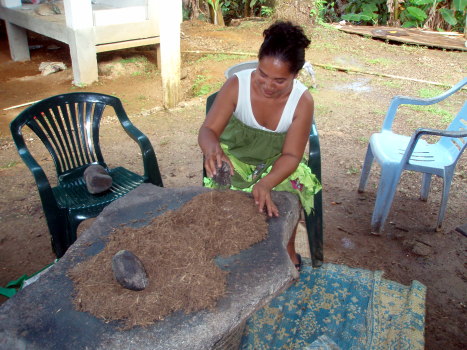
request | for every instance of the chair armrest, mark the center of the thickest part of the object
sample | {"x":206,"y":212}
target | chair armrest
{"x":425,"y":131}
{"x":401,"y":100}
{"x":43,"y":185}
{"x":436,"y":132}
{"x":151,"y":168}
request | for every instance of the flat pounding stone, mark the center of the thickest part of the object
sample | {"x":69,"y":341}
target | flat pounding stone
{"x":42,"y":315}
{"x":129,"y":271}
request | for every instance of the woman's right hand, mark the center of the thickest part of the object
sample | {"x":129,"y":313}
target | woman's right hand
{"x":213,"y":157}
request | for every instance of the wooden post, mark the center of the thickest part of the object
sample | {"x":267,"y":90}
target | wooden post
{"x":169,"y":29}
{"x":79,"y":23}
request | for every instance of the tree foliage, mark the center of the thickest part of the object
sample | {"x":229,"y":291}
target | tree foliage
{"x":432,"y":14}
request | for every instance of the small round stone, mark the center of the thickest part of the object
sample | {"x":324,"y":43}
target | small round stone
{"x":129,"y":271}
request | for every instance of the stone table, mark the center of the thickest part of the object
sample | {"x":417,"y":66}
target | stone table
{"x":41,"y":316}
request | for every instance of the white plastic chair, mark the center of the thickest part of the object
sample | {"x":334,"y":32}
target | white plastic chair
{"x":396,"y":153}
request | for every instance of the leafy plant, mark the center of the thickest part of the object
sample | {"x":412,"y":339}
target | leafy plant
{"x":434,"y":14}
{"x":266,"y":11}
{"x":415,"y":14}
{"x":216,"y":6}
{"x":367,"y":11}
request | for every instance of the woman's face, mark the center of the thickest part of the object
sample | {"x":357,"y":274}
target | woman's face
{"x":273,"y":77}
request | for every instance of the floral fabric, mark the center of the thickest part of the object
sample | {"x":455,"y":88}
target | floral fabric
{"x":350,"y":308}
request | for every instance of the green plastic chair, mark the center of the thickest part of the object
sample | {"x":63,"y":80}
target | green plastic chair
{"x":68,"y":126}
{"x":314,"y":221}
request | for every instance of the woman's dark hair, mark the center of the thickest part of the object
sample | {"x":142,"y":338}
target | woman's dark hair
{"x":286,"y":42}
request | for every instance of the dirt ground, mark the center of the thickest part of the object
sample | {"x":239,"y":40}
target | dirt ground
{"x":349,"y":108}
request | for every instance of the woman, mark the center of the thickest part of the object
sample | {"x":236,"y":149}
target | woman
{"x":260,"y":122}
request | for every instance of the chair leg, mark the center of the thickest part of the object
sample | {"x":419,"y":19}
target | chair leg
{"x":425,"y":190}
{"x":57,"y":223}
{"x":314,"y":228}
{"x":386,"y":190}
{"x":444,"y":200}
{"x":366,"y":169}
{"x":59,"y":242}
{"x":72,"y":227}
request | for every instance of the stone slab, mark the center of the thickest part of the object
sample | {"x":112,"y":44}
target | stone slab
{"x":41,"y":316}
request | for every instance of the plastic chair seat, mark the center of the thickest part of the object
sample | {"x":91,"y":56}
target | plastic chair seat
{"x":427,"y":156}
{"x":74,"y":195}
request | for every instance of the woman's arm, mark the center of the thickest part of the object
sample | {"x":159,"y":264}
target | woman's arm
{"x":214,"y":124}
{"x":292,"y":153}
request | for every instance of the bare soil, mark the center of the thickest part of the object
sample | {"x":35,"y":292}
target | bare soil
{"x":349,"y":108}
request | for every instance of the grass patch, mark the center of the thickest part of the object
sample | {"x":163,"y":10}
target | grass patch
{"x":325,"y":45}
{"x":135,"y":60}
{"x":391,"y":84}
{"x":352,"y":170}
{"x":380,"y":61}
{"x":363,"y":139}
{"x":201,"y":87}
{"x":221,"y":57}
{"x":9,"y":165}
{"x":429,"y":92}
{"x":331,"y":68}
{"x":446,"y":117}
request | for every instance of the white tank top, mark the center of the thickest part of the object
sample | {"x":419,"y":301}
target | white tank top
{"x":244,"y":112}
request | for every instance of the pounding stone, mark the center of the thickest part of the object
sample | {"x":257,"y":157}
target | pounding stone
{"x":42,"y":315}
{"x":129,"y":271}
{"x":97,"y":179}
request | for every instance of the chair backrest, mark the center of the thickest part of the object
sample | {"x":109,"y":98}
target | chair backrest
{"x":239,"y":67}
{"x":68,"y":126}
{"x":456,"y":145}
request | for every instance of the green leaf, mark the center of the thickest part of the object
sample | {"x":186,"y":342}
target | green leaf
{"x":409,"y":24}
{"x":459,"y":5}
{"x":354,"y":17}
{"x":448,"y":16}
{"x":416,"y":13}
{"x":423,"y":2}
{"x":369,"y":8}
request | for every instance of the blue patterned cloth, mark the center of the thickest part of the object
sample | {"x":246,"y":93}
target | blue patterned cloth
{"x":338,"y":307}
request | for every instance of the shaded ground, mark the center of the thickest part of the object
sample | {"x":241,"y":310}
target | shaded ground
{"x":349,"y":107}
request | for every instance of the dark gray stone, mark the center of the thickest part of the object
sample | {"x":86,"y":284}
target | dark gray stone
{"x":129,"y":271}
{"x":222,"y":177}
{"x":97,"y":179}
{"x":42,"y":315}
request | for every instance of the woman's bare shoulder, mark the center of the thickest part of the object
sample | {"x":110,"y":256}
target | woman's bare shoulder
{"x":305,"y":106}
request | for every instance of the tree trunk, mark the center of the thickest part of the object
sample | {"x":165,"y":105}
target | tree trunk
{"x":216,"y":15}
{"x":246,"y":9}
{"x":296,"y":11}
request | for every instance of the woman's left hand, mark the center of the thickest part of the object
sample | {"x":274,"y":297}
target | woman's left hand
{"x":262,"y":195}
